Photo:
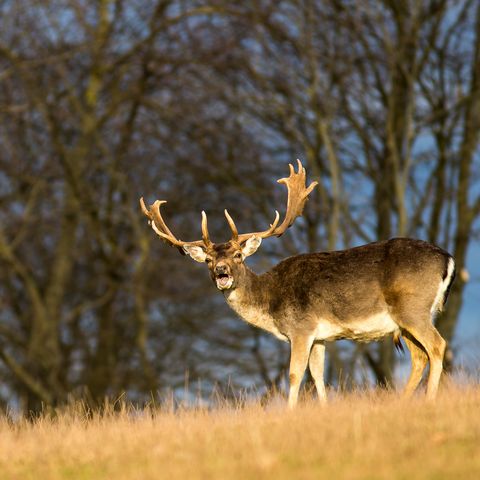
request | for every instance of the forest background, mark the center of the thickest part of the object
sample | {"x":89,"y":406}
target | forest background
{"x":203,"y":104}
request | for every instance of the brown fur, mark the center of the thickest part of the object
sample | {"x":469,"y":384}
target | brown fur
{"x":339,"y":291}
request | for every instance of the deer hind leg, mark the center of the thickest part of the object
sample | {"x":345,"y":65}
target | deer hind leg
{"x":432,"y":342}
{"x":299,"y":354}
{"x":316,"y":364}
{"x":419,"y":360}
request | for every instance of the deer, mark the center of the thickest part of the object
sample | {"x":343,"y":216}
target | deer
{"x":392,"y":287}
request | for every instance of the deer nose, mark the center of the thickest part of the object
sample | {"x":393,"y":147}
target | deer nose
{"x":219,"y":269}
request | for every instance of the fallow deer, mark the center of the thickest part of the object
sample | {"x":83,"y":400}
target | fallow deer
{"x":393,"y":287}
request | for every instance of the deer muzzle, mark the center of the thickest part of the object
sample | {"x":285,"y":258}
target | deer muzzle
{"x":223,"y":277}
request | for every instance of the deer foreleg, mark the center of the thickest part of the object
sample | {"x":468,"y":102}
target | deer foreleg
{"x":316,"y":365}
{"x":300,"y":351}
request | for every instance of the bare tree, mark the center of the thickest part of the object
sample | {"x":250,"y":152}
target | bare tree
{"x":200,"y":101}
{"x":359,"y":89}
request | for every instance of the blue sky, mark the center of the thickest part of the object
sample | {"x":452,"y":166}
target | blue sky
{"x":467,"y":335}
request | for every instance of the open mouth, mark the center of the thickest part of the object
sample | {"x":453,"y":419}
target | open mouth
{"x":223,"y":281}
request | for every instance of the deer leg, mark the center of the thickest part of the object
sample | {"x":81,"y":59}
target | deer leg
{"x":436,"y":352}
{"x":419,"y":361}
{"x":299,"y":353}
{"x":434,"y":345}
{"x":316,"y":364}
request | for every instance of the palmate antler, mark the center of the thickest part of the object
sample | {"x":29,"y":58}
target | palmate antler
{"x":297,"y":196}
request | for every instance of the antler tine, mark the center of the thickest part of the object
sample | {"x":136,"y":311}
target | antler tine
{"x":296,"y":198}
{"x":158,"y":219}
{"x":240,"y":238}
{"x":233,"y":227}
{"x":273,"y":225}
{"x":160,"y":227}
{"x":301,"y":168}
{"x":205,"y":235}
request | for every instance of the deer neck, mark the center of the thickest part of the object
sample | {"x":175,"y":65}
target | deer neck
{"x":248,"y":290}
{"x":250,"y":301}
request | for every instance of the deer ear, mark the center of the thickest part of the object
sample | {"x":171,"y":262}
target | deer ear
{"x":251,"y":246}
{"x":197,"y":253}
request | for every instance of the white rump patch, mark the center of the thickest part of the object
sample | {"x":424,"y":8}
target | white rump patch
{"x":437,"y":304}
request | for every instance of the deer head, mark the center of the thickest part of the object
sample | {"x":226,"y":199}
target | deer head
{"x":225,"y":261}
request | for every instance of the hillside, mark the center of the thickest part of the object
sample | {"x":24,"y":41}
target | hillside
{"x":362,"y":435}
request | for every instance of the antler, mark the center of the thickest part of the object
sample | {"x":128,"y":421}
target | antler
{"x":297,"y":196}
{"x":160,"y":227}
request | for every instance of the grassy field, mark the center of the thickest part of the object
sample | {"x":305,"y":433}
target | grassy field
{"x":363,"y":435}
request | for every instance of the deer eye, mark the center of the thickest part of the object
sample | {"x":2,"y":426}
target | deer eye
{"x":238,"y":256}
{"x":208,"y":260}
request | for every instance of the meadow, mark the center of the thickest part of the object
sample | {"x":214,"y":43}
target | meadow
{"x":368,"y":434}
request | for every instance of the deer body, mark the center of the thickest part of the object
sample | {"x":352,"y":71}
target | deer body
{"x":292,"y":298}
{"x":343,"y":294}
{"x":363,"y":293}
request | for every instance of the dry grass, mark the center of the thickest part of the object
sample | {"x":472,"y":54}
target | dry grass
{"x":365,"y":435}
